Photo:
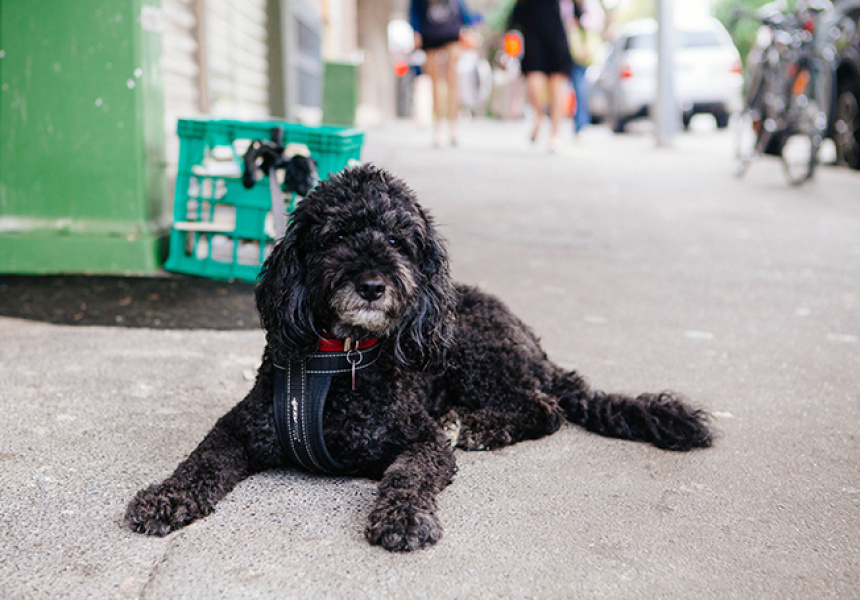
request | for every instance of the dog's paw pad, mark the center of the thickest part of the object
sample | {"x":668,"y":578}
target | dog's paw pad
{"x":475,"y":436}
{"x":403,"y":529}
{"x":451,"y":425}
{"x":469,"y":441}
{"x":158,"y":511}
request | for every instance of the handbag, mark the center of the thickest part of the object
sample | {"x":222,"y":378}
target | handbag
{"x":582,"y":45}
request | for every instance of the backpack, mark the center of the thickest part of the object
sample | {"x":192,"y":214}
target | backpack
{"x":443,"y":20}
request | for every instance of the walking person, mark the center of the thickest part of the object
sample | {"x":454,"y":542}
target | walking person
{"x":438,"y":25}
{"x":584,"y":29}
{"x":546,"y":60}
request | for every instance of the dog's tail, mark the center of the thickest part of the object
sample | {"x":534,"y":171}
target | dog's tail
{"x":665,"y":419}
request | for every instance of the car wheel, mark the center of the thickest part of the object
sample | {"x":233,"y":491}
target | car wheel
{"x":846,"y":124}
{"x":722,"y":119}
{"x":686,"y":119}
{"x":618,"y":124}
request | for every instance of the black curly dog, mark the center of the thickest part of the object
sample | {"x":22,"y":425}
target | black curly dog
{"x":361,"y":259}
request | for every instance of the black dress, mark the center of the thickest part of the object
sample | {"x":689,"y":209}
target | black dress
{"x":545,"y":42}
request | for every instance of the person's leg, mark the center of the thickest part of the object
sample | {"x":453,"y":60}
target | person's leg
{"x":432,"y":68}
{"x":582,"y":117}
{"x":535,"y":85}
{"x":557,"y":89}
{"x":453,"y":50}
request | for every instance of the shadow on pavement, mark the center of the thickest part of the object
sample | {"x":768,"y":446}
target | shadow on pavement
{"x":150,"y":302}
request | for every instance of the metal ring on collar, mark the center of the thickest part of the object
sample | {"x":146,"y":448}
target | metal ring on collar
{"x":350,"y":357}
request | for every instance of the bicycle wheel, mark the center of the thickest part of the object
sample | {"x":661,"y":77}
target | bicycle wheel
{"x":807,"y":124}
{"x":846,"y":124}
{"x":798,"y":157}
{"x":747,"y":131}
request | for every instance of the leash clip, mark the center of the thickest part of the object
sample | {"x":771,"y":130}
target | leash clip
{"x":354,"y":358}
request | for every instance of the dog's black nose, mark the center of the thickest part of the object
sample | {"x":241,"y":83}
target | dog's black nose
{"x":370,"y":289}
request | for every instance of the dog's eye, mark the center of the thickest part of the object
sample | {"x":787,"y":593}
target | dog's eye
{"x":394,"y":242}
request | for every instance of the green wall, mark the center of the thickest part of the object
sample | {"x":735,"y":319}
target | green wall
{"x":82,"y":186}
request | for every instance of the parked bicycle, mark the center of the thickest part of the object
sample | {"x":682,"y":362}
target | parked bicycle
{"x":789,"y":92}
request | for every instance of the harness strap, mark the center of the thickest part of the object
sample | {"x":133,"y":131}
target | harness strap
{"x":301,"y":389}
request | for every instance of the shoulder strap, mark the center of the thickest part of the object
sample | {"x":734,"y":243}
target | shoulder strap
{"x":301,"y":389}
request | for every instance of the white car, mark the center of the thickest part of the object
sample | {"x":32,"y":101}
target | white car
{"x":708,"y":74}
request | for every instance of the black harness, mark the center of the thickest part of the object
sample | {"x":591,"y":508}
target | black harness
{"x":301,"y":389}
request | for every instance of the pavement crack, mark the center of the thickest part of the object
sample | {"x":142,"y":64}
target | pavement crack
{"x":152,"y":573}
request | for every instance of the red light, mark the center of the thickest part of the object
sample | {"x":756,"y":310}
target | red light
{"x":809,"y":25}
{"x":626,"y":71}
{"x":800,"y":83}
{"x":401,"y":68}
{"x":514,"y":44}
{"x":737,"y":67}
{"x":570,"y":105}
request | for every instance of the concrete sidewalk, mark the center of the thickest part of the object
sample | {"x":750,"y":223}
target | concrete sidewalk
{"x":643,"y":268}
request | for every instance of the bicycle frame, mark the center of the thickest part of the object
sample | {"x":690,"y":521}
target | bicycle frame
{"x":786,"y":106}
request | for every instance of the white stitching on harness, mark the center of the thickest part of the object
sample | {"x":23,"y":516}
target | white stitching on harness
{"x":303,"y":423}
{"x":361,"y":365}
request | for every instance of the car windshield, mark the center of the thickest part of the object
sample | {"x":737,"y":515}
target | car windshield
{"x":697,"y":39}
{"x":643,"y":41}
{"x":685,"y":39}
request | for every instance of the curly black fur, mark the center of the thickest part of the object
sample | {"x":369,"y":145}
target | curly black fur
{"x":362,"y":259}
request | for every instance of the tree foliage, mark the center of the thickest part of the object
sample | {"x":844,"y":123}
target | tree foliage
{"x":497,"y":17}
{"x":636,"y":9}
{"x":739,"y":18}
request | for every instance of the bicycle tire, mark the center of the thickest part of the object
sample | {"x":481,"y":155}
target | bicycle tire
{"x":799,"y":157}
{"x":846,"y":123}
{"x":746,"y":141}
{"x":806,"y":128}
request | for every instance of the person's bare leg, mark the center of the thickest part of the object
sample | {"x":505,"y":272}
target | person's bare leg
{"x":535,"y":85}
{"x":432,"y":66}
{"x":453,"y":50}
{"x":557,"y":89}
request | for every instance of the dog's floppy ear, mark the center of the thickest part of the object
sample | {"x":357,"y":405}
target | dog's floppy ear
{"x":283,"y":302}
{"x":424,"y":335}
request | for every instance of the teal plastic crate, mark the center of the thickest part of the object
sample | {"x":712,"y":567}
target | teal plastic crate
{"x":222,"y":230}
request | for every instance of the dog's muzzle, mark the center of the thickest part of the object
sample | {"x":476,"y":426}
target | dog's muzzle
{"x":368,"y":303}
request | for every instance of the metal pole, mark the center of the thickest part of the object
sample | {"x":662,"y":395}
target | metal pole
{"x":666,"y":110}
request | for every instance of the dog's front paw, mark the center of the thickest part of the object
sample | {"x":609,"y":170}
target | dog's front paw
{"x":401,"y":528}
{"x":158,"y":510}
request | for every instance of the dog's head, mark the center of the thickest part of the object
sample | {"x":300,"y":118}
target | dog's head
{"x":360,"y":259}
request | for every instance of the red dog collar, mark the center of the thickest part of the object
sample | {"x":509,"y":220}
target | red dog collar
{"x":331,"y":344}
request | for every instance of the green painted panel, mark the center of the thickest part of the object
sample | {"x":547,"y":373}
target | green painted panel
{"x":340,"y":93}
{"x":55,"y":253}
{"x":81,"y":126}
